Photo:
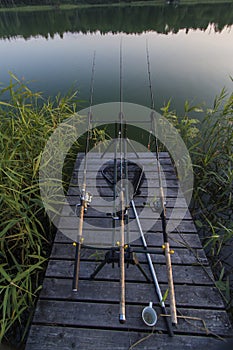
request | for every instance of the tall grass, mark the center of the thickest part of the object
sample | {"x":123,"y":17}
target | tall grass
{"x":209,"y":139}
{"x":212,"y":201}
{"x":26,"y":122}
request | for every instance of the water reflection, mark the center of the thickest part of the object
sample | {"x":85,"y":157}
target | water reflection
{"x":162,"y":19}
{"x":55,"y":49}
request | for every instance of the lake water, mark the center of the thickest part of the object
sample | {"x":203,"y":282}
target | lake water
{"x":191,"y":51}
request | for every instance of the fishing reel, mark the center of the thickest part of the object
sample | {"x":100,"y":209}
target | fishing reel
{"x":86,"y":199}
{"x":157,"y":206}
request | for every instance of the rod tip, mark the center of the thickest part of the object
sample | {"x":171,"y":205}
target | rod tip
{"x":75,"y":289}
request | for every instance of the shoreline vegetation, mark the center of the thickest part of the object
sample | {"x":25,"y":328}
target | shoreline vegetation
{"x":26,"y":235}
{"x":27,"y":121}
{"x":27,"y":6}
{"x":160,"y":19}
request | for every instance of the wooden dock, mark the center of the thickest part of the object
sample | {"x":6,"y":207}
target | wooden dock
{"x":88,"y":319}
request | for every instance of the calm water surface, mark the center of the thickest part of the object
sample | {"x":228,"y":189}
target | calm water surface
{"x":191,"y":57}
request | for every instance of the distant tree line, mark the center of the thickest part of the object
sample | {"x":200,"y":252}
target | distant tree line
{"x":109,"y":19}
{"x":10,"y":3}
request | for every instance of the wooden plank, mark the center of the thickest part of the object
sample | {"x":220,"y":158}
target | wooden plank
{"x":180,"y":257}
{"x":137,"y":293}
{"x":130,"y":155}
{"x":149,"y":169}
{"x":99,"y":162}
{"x":103,"y":235}
{"x":140,"y":201}
{"x":45,"y":338}
{"x":150,"y":177}
{"x":106,"y":316}
{"x":95,"y":168}
{"x":151,"y":180}
{"x":182,"y":228}
{"x":152,"y":224}
{"x":193,"y":275}
{"x":176,"y":239}
{"x":144,"y":158}
{"x":144,"y":212}
{"x":171,"y":192}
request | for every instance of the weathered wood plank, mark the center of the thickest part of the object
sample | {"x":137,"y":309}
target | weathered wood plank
{"x":106,"y":191}
{"x":182,"y":228}
{"x":45,"y":338}
{"x":180,"y":256}
{"x":144,"y":158}
{"x":137,"y":293}
{"x":130,"y":155}
{"x":152,"y":225}
{"x":146,"y":164}
{"x":103,"y":235}
{"x":144,"y":212}
{"x":150,"y":171}
{"x":182,"y":274}
{"x":143,"y":155}
{"x":140,"y":201}
{"x":106,"y":315}
{"x":151,"y":178}
{"x":176,"y":239}
{"x":93,"y":179}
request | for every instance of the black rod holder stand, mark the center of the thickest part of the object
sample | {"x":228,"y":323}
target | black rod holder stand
{"x":112,"y":256}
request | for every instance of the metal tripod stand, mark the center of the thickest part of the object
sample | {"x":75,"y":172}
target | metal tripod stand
{"x":112,"y":256}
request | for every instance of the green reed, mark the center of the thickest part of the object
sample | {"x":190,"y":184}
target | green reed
{"x":210,"y":142}
{"x":26,"y":122}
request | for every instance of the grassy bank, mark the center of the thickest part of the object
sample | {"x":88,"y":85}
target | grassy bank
{"x":27,"y":121}
{"x":210,"y":143}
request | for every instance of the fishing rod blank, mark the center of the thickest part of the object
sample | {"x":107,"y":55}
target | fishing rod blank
{"x":85,"y":197}
{"x":162,"y":204}
{"x":122,"y":317}
{"x":166,"y":245}
{"x":152,"y":270}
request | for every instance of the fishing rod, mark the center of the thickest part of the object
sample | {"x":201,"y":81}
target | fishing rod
{"x":120,"y":251}
{"x":162,"y":206}
{"x":85,"y":197}
{"x":123,"y":198}
{"x":152,"y":270}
